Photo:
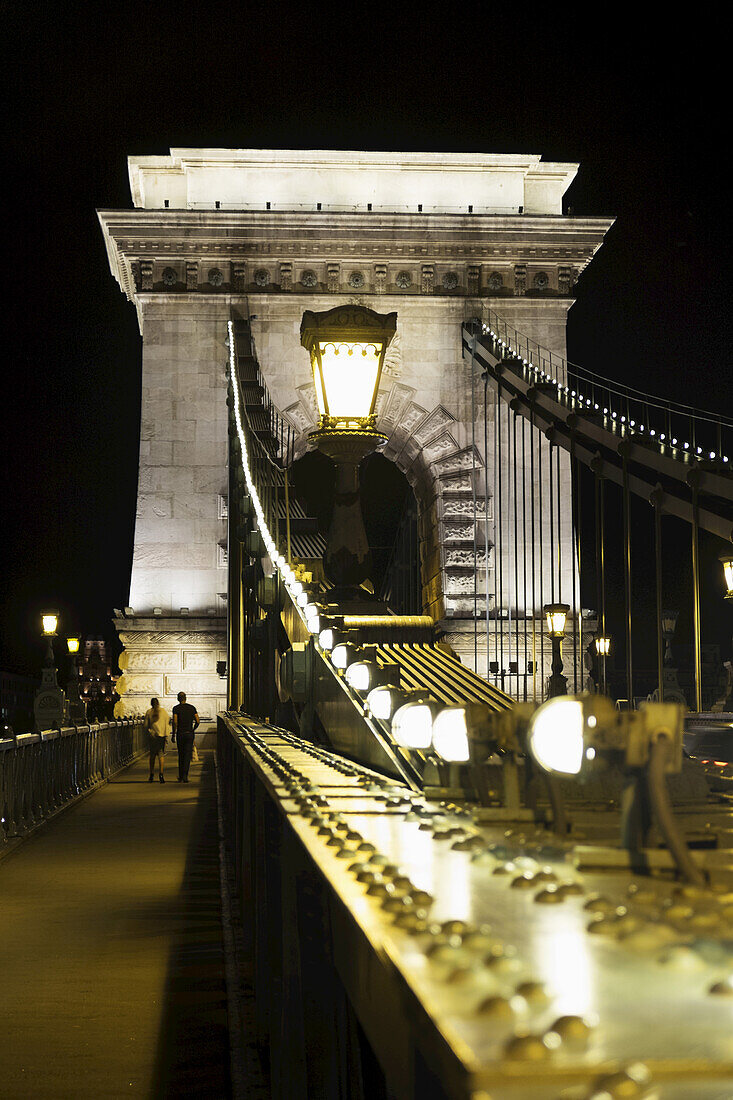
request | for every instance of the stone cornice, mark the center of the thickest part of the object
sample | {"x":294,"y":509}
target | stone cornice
{"x":280,"y":237}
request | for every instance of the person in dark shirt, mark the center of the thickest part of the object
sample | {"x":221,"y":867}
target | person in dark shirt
{"x":185,"y":723}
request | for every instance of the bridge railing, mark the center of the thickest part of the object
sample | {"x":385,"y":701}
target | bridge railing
{"x":42,"y":772}
{"x":674,"y":426}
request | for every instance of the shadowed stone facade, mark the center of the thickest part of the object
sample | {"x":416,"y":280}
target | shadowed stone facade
{"x":270,"y":234}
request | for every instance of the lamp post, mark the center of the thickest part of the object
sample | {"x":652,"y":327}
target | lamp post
{"x":77,"y":709}
{"x":347,"y":345}
{"x":556,"y":615}
{"x":603,"y":648}
{"x":49,"y":703}
{"x":726,"y":560}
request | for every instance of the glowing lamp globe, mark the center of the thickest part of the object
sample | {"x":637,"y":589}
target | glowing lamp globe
{"x":603,"y":646}
{"x":556,"y":614}
{"x":347,"y":346}
{"x":49,"y":622}
{"x":72,"y":644}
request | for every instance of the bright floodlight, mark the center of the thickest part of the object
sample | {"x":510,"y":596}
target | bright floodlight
{"x":311,"y":611}
{"x":343,"y":655}
{"x":383,"y":702}
{"x":326,"y":638}
{"x":727,"y":563}
{"x":296,"y":588}
{"x":555,"y":735}
{"x":603,"y":646}
{"x":303,"y":599}
{"x":412,"y":726}
{"x":72,"y":644}
{"x":313,"y":622}
{"x":450,"y":735}
{"x":49,"y":622}
{"x":360,"y":675}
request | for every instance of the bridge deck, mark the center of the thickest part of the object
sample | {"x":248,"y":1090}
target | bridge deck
{"x":111,"y":950}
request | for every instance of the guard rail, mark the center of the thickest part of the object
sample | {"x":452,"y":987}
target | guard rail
{"x":42,"y":772}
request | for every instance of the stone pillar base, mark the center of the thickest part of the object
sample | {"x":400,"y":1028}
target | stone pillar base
{"x":167,"y":654}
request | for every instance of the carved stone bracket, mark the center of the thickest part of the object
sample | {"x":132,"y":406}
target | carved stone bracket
{"x":192,"y":276}
{"x":286,"y":276}
{"x":146,"y":274}
{"x":520,"y":279}
{"x":428,"y":279}
{"x":473,"y":280}
{"x":380,"y":278}
{"x":239,"y":272}
{"x":332,"y":276}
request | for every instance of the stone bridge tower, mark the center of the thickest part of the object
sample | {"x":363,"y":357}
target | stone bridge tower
{"x":437,"y":237}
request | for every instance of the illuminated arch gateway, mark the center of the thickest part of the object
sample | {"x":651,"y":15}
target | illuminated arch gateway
{"x":270,"y":234}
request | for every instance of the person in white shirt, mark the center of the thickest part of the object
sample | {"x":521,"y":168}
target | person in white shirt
{"x":156,"y":723}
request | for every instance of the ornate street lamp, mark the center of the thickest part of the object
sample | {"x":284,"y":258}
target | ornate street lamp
{"x":726,"y":559}
{"x":49,"y":703}
{"x":77,"y":708}
{"x":669,"y":625}
{"x":556,"y":615}
{"x":603,"y":648}
{"x":347,"y":345}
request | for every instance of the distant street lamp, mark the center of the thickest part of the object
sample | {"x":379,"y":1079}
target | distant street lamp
{"x":49,"y":703}
{"x":77,"y":709}
{"x":556,"y":615}
{"x":347,"y":345}
{"x":669,"y":625}
{"x":726,"y":560}
{"x":603,"y":648}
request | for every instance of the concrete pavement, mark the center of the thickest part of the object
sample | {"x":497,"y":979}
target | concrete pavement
{"x":111,"y":959}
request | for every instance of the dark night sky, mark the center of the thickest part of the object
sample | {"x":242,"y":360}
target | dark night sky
{"x":642,"y":113}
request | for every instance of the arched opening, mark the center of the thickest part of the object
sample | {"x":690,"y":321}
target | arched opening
{"x":390,"y":518}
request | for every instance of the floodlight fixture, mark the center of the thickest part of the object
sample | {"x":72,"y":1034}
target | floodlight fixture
{"x":726,"y":560}
{"x":412,"y":724}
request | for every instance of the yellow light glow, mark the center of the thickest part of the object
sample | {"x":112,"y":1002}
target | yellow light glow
{"x":72,"y":645}
{"x":727,"y":561}
{"x":556,"y":614}
{"x":49,"y":621}
{"x":603,"y":646}
{"x":350,"y":373}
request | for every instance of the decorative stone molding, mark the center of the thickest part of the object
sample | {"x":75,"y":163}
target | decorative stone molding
{"x":192,"y":276}
{"x":496,"y":281}
{"x":309,"y":279}
{"x":135,"y":268}
{"x":286,"y":275}
{"x":450,"y":280}
{"x":332,"y":277}
{"x":520,"y":279}
{"x":238,"y":277}
{"x":146,"y":274}
{"x":170,"y":276}
{"x":357,"y":280}
{"x":261,"y":277}
{"x":403,"y":280}
{"x":216,"y":276}
{"x":541,"y":281}
{"x":427,"y":279}
{"x":380,"y":278}
{"x":473,"y":280}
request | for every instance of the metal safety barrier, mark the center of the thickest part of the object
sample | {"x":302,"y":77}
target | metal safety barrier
{"x":42,"y":772}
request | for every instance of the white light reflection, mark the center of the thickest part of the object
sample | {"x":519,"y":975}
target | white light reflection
{"x":563,"y":962}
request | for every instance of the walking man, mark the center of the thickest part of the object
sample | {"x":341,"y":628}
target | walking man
{"x":156,"y":723}
{"x":185,"y":723}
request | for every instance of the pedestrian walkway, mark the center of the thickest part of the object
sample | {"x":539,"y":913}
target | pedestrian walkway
{"x":111,"y":958}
